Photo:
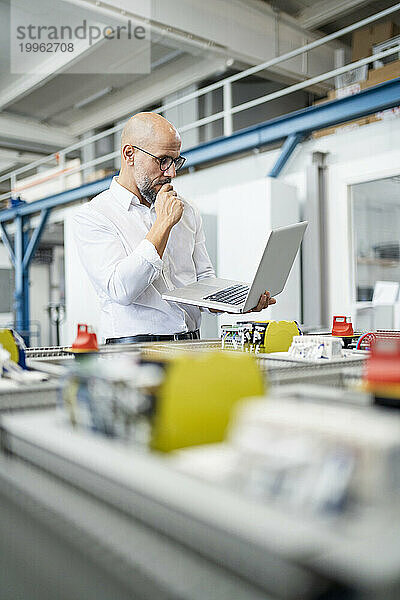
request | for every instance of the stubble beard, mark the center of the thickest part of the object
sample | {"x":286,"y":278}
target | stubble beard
{"x":148,"y":191}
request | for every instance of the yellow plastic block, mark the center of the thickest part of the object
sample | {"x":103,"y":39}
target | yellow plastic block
{"x":9,"y":344}
{"x":198,"y":394}
{"x":279,"y":336}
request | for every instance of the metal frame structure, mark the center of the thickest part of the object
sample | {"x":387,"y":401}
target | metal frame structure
{"x":291,"y":128}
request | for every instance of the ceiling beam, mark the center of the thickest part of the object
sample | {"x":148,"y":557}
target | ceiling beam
{"x":57,"y":63}
{"x":147,"y":91}
{"x":242,"y":30}
{"x":28,"y":146}
{"x":51,"y":65}
{"x":253,"y":36}
{"x":16,"y":156}
{"x":286,"y":79}
{"x":17,"y":84}
{"x":11,"y":159}
{"x":326,"y":11}
{"x":14,"y":127}
{"x":5,"y":166}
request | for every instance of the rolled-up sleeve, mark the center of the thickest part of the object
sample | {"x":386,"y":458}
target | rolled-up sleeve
{"x":120,"y":276}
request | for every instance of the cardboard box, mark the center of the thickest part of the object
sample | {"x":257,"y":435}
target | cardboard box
{"x":375,"y":76}
{"x":342,"y":92}
{"x":352,"y":77}
{"x":341,"y":128}
{"x":322,"y":101}
{"x":385,"y":115}
{"x":389,"y":71}
{"x":363,"y":39}
{"x":391,"y":113}
{"x":349,"y":90}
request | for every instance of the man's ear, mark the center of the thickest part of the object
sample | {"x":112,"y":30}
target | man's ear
{"x":128,"y":154}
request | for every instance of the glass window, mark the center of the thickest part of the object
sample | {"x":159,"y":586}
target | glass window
{"x":376,"y":231}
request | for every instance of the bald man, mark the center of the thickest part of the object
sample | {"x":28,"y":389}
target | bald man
{"x":138,"y":239}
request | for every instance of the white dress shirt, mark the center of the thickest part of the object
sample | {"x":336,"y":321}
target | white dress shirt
{"x":126,"y":271}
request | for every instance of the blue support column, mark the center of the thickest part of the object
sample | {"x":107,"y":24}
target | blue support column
{"x":21,"y":292}
{"x":286,"y":152}
{"x":35,"y":239}
{"x":24,"y":250}
{"x":26,"y":301}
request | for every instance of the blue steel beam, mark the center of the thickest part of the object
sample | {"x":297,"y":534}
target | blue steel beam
{"x":25,"y":281}
{"x":21,"y":294}
{"x":286,"y":152}
{"x":20,"y":280}
{"x":36,"y":235}
{"x":304,"y":121}
{"x":24,"y":249}
{"x":84,"y":191}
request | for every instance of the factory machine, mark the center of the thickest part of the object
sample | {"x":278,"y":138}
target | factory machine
{"x":183,"y":470}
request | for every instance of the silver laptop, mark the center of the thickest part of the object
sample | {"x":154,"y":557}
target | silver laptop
{"x":238,"y":297}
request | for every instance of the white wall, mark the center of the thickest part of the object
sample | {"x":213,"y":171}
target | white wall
{"x":242,"y":234}
{"x":39,"y":298}
{"x":81,"y":305}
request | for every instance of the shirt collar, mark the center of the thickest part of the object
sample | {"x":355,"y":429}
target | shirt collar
{"x":124,"y":196}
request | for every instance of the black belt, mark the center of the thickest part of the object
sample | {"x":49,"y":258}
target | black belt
{"x":137,"y":339}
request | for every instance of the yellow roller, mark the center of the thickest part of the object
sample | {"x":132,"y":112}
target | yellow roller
{"x":196,"y":399}
{"x":278,"y":336}
{"x":8,"y":342}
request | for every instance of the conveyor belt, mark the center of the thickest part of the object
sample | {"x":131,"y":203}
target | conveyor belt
{"x":24,"y":396}
{"x":65,"y":351}
{"x":278,"y":370}
{"x":268,"y":550}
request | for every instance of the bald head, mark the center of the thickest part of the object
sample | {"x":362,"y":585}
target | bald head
{"x":148,"y":129}
{"x":146,"y":139}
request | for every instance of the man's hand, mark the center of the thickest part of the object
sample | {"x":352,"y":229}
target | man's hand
{"x":264,"y":301}
{"x":168,"y":206}
{"x":169,"y":210}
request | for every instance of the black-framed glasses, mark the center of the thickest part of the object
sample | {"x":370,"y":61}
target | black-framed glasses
{"x":165,"y":161}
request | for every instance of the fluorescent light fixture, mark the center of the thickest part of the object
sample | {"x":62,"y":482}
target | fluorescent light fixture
{"x":93,"y":97}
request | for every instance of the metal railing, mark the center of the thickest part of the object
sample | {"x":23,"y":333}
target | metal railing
{"x":228,"y":109}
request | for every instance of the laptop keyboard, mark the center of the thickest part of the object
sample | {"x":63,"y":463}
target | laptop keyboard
{"x":235,"y":294}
